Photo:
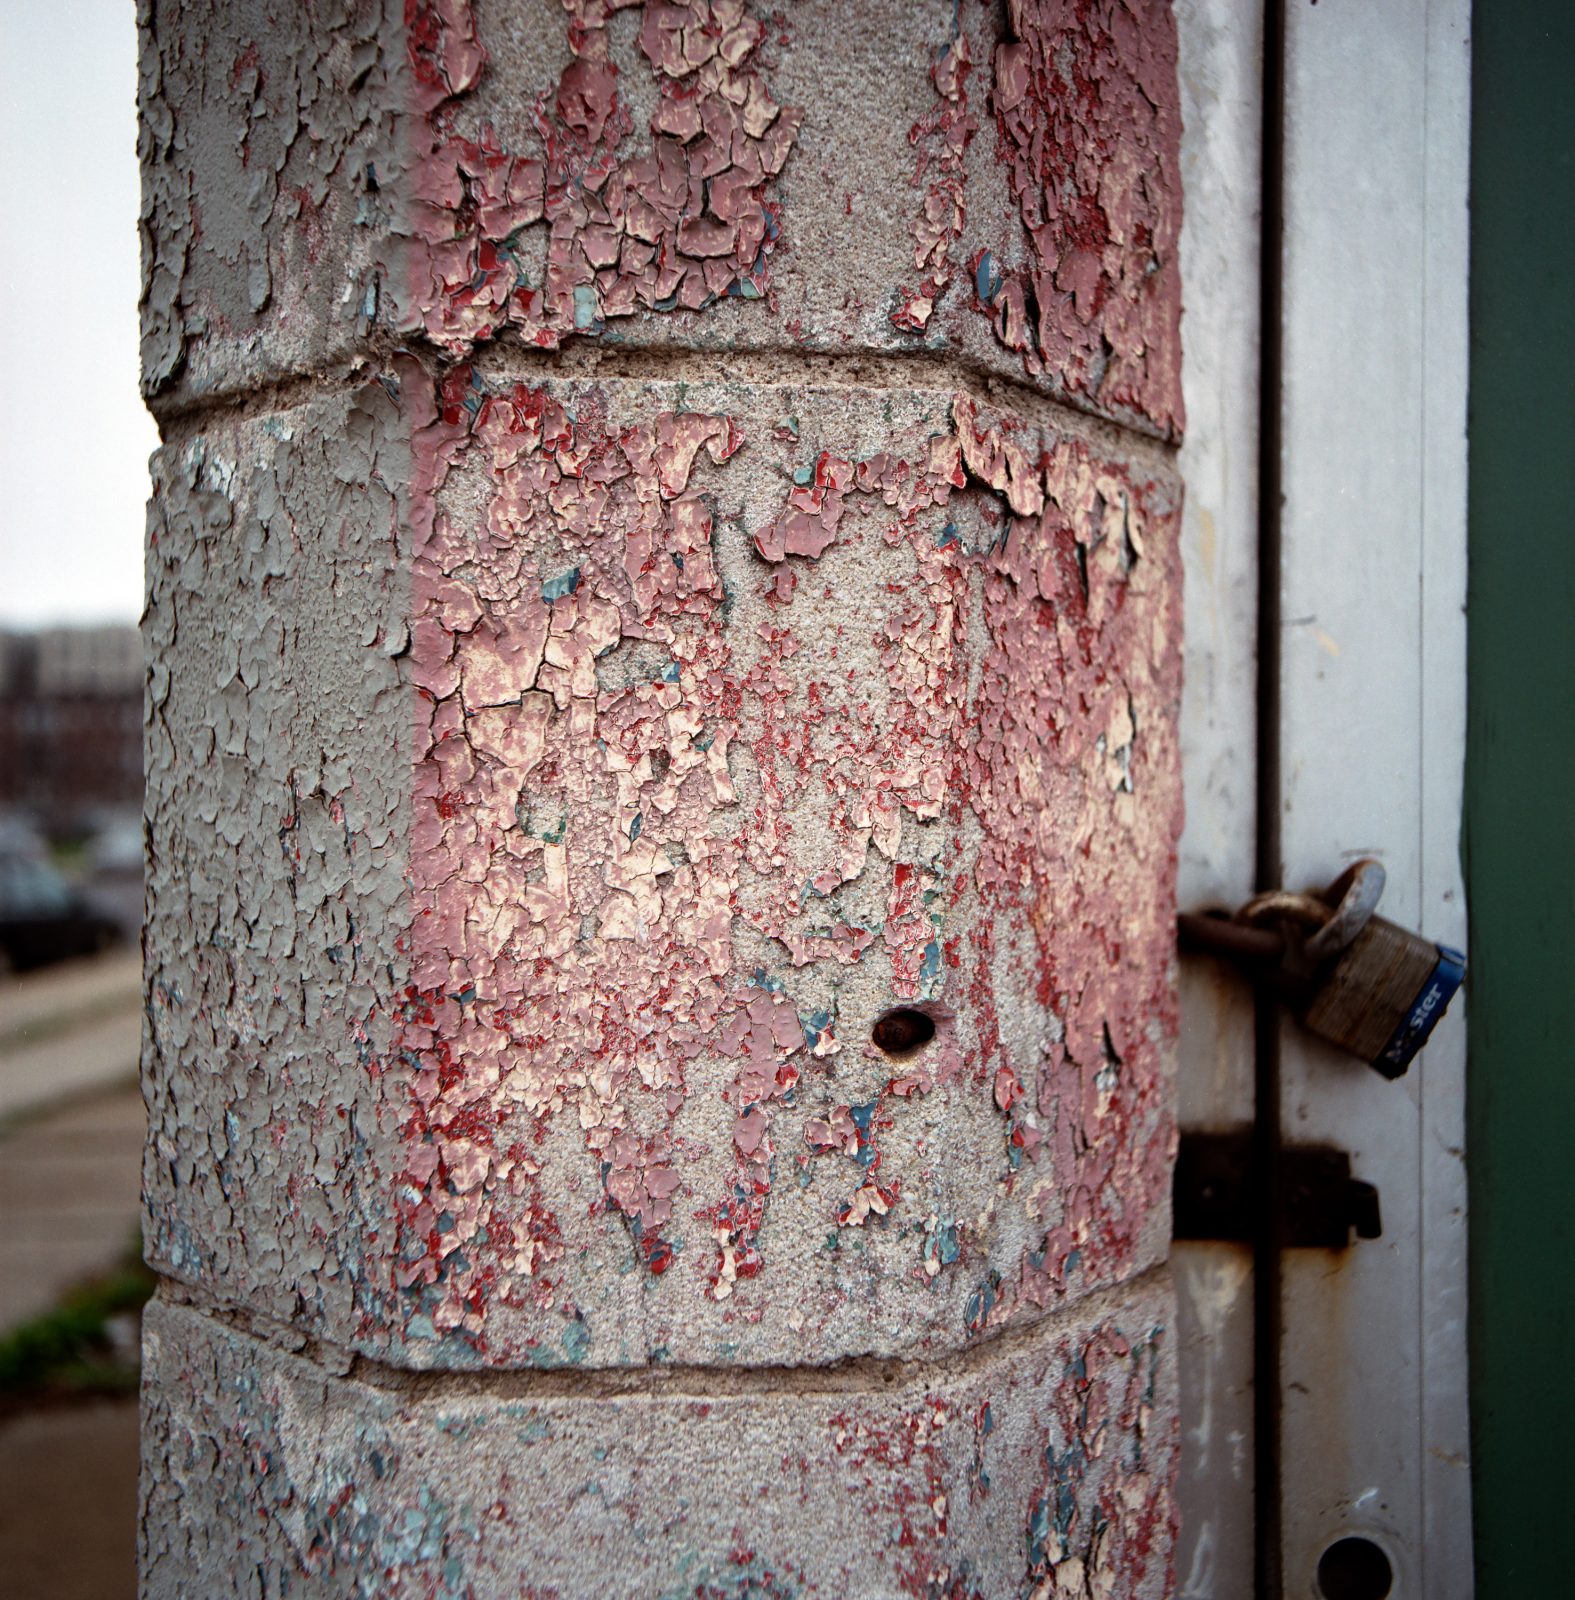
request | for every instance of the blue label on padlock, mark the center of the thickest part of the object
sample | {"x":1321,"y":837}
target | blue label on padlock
{"x":1423,"y":1012}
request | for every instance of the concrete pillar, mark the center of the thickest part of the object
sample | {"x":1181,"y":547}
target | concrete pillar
{"x":663,"y":626}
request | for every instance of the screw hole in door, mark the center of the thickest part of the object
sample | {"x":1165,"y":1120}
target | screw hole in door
{"x":1354,"y":1569}
{"x":902,"y":1031}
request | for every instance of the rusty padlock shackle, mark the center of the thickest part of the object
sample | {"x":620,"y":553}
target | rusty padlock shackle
{"x":1338,"y":915}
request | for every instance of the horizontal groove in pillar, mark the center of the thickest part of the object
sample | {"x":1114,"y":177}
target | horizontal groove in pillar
{"x":584,"y":363}
{"x":853,"y":1375}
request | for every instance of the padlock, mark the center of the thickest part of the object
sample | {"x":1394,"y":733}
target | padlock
{"x":1361,"y":982}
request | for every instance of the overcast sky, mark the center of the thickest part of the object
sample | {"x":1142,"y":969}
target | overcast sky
{"x":74,"y":438}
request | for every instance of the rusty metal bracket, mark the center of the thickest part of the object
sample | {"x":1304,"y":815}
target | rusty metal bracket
{"x":1319,"y":1202}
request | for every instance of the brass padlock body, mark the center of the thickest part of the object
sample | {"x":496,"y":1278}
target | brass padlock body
{"x":1382,"y":995}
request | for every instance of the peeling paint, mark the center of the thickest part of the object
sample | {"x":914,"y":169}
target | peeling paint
{"x":940,"y":174}
{"x":663,"y":867}
{"x":660,"y":865}
{"x":1002,"y":184}
{"x":585,"y":861}
{"x":1087,"y":117}
{"x":676,"y":223}
{"x":1045,"y":1474}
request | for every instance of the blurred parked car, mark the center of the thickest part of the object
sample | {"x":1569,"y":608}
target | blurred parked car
{"x":112,"y":878}
{"x":19,"y":835}
{"x":43,"y":919}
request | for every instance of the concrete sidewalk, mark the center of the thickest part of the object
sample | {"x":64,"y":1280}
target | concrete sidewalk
{"x":69,"y":1182}
{"x":68,"y":1503}
{"x":35,"y":1004}
{"x":68,"y":1030}
{"x":71,"y":1135}
{"x":71,"y":1128}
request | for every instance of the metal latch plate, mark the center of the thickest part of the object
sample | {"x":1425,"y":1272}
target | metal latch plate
{"x":1319,"y":1202}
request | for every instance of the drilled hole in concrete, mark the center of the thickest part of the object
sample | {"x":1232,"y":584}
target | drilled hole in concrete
{"x":902,"y":1031}
{"x":1354,"y":1569}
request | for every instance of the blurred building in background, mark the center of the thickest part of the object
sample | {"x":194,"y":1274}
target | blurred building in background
{"x":71,"y":725}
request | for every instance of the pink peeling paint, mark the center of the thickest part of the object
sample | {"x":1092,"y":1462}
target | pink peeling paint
{"x":941,"y":137}
{"x":675,"y":221}
{"x":1089,"y":128}
{"x":583,"y":864}
{"x":640,"y":174}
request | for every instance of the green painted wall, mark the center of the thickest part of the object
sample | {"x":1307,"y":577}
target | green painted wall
{"x":1520,"y":795}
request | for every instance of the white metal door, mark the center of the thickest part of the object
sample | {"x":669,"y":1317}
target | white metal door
{"x":1367,"y":394}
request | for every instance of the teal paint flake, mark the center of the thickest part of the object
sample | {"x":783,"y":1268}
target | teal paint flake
{"x":576,"y":1340}
{"x":586,"y":319}
{"x":930,"y":968}
{"x":561,"y":587}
